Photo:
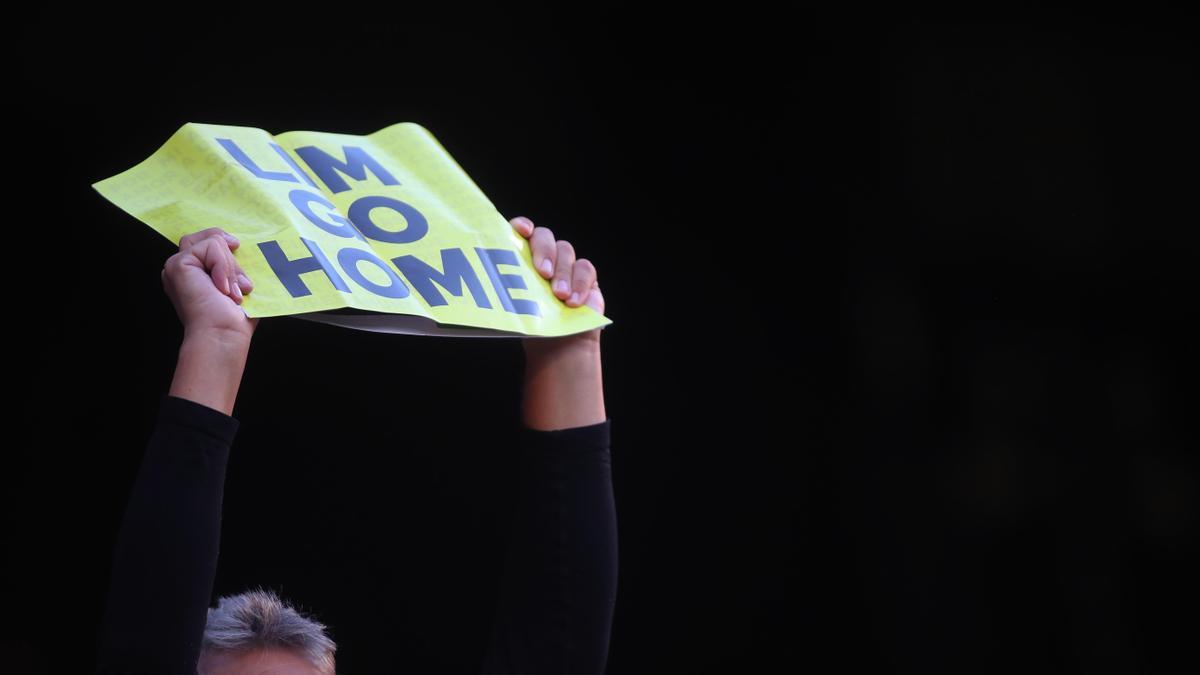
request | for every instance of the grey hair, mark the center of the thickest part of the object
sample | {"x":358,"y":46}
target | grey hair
{"x":259,"y":619}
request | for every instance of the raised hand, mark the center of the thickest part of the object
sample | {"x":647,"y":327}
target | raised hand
{"x":573,"y":280}
{"x":206,"y":284}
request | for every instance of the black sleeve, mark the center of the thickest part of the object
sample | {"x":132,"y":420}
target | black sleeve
{"x":559,"y":582}
{"x":166,"y":552}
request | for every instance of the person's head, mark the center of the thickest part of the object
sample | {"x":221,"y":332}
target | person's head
{"x":256,"y":633}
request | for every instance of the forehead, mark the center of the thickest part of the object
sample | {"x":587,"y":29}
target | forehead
{"x":256,"y":662}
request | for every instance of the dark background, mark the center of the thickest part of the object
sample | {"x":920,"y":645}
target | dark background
{"x":899,"y":370}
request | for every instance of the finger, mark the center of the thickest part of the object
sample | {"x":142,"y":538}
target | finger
{"x":171,"y":266}
{"x":235,"y":288}
{"x":543,"y":250}
{"x":523,"y":225}
{"x":189,"y":240}
{"x":240,"y":278}
{"x":211,"y":252}
{"x":244,"y":281}
{"x":235,"y":285}
{"x":177,"y":263}
{"x":583,"y":278}
{"x":221,"y":267}
{"x":563,"y":262}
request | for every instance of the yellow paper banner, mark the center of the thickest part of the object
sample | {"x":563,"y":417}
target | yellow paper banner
{"x":383,"y":232}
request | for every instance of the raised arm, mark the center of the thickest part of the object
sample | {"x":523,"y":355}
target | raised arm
{"x":166,"y":552}
{"x":559,"y":582}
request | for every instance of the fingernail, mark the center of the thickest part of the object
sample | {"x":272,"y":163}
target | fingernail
{"x":237,"y":290}
{"x":560,"y":286}
{"x":524,"y":221}
{"x":246,"y":280}
{"x":547,"y":268}
{"x":574,"y":297}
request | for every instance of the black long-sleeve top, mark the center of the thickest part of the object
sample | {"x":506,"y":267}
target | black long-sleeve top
{"x":560,"y":572}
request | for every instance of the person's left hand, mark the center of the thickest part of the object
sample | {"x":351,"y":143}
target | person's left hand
{"x":573,"y":280}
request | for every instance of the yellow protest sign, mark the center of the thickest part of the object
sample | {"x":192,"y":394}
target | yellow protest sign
{"x":383,"y":232}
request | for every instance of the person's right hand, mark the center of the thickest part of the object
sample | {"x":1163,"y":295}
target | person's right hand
{"x":206,"y":283}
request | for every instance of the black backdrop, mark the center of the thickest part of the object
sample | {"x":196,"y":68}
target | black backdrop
{"x":898,"y":372}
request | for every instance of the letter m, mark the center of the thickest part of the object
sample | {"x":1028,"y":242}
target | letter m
{"x":331,"y":169}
